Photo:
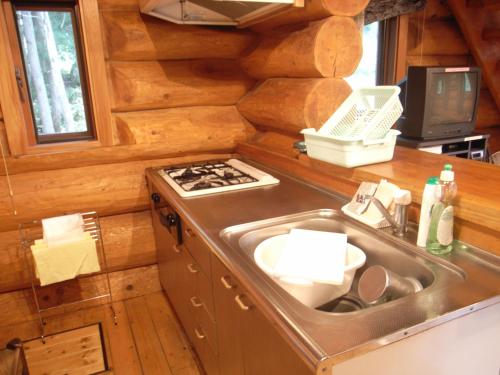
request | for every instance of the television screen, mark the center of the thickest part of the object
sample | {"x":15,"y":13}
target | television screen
{"x":453,"y":97}
{"x":439,"y":102}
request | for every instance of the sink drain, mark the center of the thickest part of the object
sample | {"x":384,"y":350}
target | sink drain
{"x":344,"y":304}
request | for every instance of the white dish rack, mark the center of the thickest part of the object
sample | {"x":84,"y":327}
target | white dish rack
{"x":359,"y":132}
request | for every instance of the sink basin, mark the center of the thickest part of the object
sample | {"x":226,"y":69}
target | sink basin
{"x":380,"y":249}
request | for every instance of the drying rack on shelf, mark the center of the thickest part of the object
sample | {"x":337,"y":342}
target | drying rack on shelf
{"x":29,"y":232}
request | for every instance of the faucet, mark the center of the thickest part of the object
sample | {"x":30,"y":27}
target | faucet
{"x":399,"y":222}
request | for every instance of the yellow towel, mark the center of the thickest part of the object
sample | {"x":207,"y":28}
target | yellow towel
{"x":65,"y":261}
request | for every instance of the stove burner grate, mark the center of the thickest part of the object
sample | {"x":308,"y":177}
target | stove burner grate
{"x":207,"y":175}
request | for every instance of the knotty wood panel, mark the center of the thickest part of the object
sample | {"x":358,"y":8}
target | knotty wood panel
{"x":439,"y":38}
{"x":488,"y":115}
{"x":18,"y":306}
{"x":183,"y":128}
{"x":132,"y":36}
{"x":122,"y":350}
{"x":79,"y":350}
{"x":166,"y":84}
{"x":118,"y":5}
{"x":147,"y":340}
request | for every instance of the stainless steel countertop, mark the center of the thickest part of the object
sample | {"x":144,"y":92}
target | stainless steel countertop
{"x":326,"y":341}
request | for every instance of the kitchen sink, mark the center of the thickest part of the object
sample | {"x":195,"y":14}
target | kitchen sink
{"x":380,"y":247}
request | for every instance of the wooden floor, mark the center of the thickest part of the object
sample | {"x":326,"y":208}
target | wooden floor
{"x":147,"y":340}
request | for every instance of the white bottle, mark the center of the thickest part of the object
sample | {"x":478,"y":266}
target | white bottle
{"x":429,"y":198}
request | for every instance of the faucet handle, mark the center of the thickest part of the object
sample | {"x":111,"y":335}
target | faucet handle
{"x":402,"y":197}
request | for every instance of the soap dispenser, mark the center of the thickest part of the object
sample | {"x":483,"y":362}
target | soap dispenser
{"x":429,"y":198}
{"x":440,"y":237}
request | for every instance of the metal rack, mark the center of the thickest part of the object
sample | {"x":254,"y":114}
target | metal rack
{"x":29,"y":232}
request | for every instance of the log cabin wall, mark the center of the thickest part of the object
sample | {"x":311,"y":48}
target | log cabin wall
{"x":176,"y":93}
{"x":435,"y":38}
{"x":173,"y":91}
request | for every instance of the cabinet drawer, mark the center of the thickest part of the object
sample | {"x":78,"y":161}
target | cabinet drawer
{"x":204,"y":350}
{"x":197,"y":248}
{"x":203,"y":290}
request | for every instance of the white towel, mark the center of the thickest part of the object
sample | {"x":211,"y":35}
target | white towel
{"x":313,"y":256}
{"x":61,"y":229}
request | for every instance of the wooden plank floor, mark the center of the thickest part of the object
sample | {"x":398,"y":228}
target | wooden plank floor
{"x":147,"y":340}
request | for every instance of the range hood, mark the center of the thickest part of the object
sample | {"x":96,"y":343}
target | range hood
{"x":215,"y":12}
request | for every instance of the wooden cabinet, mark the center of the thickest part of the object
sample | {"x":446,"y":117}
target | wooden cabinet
{"x":229,"y":334}
{"x":248,"y":342}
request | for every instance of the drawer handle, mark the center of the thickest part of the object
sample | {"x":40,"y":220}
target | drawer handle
{"x":240,"y":303}
{"x":191,"y":268}
{"x":177,"y":249}
{"x":189,"y":233}
{"x":199,"y":334}
{"x":226,"y":283}
{"x":195,"y":302}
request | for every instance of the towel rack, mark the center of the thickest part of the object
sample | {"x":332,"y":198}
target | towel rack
{"x":29,"y":232}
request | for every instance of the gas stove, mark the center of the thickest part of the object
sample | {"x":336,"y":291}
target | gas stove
{"x":214,"y":177}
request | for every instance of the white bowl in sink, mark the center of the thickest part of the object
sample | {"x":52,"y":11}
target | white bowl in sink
{"x":310,"y":293}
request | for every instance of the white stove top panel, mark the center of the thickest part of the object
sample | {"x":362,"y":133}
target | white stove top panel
{"x":215,"y":177}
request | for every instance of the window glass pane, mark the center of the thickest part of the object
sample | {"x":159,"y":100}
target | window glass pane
{"x":51,"y":63}
{"x":366,"y":73}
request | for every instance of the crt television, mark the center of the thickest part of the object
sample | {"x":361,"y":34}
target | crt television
{"x":439,"y":102}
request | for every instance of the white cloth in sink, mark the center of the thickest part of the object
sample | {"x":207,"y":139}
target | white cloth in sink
{"x":313,"y":256}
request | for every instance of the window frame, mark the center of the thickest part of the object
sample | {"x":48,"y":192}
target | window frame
{"x":22,"y":139}
{"x":392,"y":43}
{"x":72,"y":8}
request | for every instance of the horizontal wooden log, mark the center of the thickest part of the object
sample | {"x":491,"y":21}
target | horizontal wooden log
{"x":128,"y":242}
{"x":183,"y":128}
{"x":118,"y":5}
{"x":328,"y":48}
{"x":18,"y":306}
{"x":439,"y":38}
{"x":313,"y":10}
{"x":292,"y":104}
{"x":488,"y":115}
{"x":132,"y":36}
{"x":166,"y":84}
{"x":108,"y":189}
{"x":192,"y":140}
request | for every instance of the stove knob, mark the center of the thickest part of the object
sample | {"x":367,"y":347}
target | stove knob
{"x":155,"y":197}
{"x":172,"y":219}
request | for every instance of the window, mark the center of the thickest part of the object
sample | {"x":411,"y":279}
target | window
{"x":54,"y":66}
{"x":380,"y":64}
{"x":366,"y":73}
{"x":53,"y":84}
